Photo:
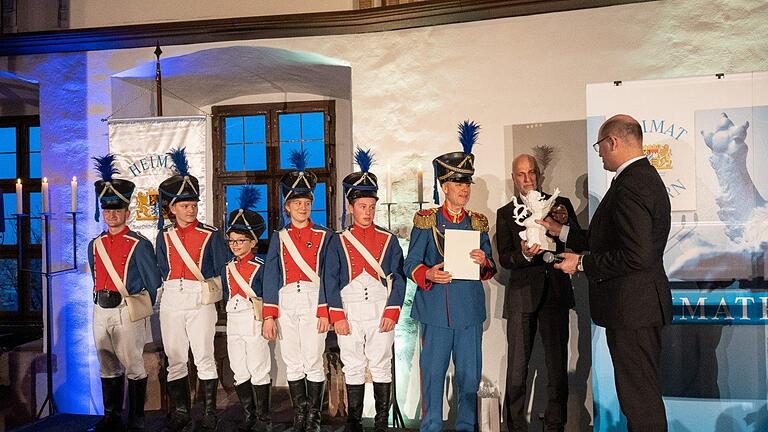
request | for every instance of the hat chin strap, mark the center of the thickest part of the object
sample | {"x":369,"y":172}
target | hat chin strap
{"x":454,"y":169}
{"x":360,"y":180}
{"x":108,"y":185}
{"x":245,"y":222}
{"x":186,"y":181}
{"x":295,"y":183}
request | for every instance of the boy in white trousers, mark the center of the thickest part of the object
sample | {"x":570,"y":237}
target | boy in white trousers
{"x":293,"y":293}
{"x":365,"y":286}
{"x":248,"y":350}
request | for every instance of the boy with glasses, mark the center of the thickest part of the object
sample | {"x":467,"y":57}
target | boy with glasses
{"x":248,"y":350}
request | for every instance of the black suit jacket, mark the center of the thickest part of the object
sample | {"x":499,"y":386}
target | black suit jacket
{"x":528,"y":279}
{"x":628,"y":287}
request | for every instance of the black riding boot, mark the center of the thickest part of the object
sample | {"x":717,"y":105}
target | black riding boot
{"x":245,"y":394}
{"x":298,"y":390}
{"x":181,"y":420}
{"x":263,"y":395}
{"x":355,"y":394}
{"x":381,"y":394}
{"x":315,"y":395}
{"x":137,"y":395}
{"x":112,"y":393}
{"x":210,"y":419}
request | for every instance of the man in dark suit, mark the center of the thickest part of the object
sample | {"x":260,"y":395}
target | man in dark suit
{"x":629,"y":292}
{"x":537,"y":296}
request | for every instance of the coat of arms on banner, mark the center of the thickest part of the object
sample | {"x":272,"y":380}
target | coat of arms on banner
{"x":146,"y":205}
{"x":660,"y":156}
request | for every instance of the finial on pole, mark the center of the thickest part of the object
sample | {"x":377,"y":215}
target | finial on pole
{"x":159,"y":80}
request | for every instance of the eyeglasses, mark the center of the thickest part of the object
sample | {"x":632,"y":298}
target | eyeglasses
{"x":238,"y":242}
{"x":596,"y":145}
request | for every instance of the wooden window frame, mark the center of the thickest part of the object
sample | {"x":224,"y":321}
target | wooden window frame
{"x":24,"y":314}
{"x":271,"y":176}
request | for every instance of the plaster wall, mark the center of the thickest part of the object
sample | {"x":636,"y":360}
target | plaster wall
{"x":409,"y":90}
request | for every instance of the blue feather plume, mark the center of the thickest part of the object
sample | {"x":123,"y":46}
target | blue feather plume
{"x":179,"y":158}
{"x":298,"y":159}
{"x":364,"y":159}
{"x":249,"y":197}
{"x":468,"y":131}
{"x":105,"y":166}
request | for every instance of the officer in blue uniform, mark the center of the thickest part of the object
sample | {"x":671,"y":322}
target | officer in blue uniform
{"x":451,"y":311}
{"x":122,"y":262}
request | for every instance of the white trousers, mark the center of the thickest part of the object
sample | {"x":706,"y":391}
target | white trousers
{"x":186,"y":323}
{"x":119,"y":342}
{"x":301,"y":345}
{"x":248,"y":351}
{"x":364,"y":300}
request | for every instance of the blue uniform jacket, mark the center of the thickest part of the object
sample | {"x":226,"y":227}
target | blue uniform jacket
{"x":274,"y":274}
{"x":460,"y":303}
{"x":338,"y":271}
{"x":215,"y":255}
{"x":142,"y":267}
{"x":256,"y":279}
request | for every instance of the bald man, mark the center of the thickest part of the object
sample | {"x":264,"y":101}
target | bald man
{"x":538,"y":298}
{"x":629,"y":292}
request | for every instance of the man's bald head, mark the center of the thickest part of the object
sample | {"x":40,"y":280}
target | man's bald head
{"x":620,"y":139}
{"x":624,"y":127}
{"x":525,"y":173}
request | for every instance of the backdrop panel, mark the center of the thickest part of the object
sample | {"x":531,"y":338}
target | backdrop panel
{"x":708,"y":138}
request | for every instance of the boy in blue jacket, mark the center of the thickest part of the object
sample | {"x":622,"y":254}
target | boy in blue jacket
{"x":122,"y":263}
{"x":248,"y":350}
{"x":365,"y":287}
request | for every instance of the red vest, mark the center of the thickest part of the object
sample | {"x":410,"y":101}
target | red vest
{"x":373,"y":240}
{"x":194,"y":241}
{"x":308,"y":242}
{"x":119,"y":248}
{"x":246,"y":269}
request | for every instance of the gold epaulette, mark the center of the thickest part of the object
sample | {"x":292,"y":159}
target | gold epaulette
{"x":425,"y":219}
{"x":479,"y":221}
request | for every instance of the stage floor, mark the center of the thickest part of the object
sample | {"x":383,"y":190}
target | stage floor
{"x":229,"y":422}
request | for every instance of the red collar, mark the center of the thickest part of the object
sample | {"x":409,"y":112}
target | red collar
{"x":188,"y":228}
{"x":122,"y":232}
{"x":451,"y":217}
{"x":365,"y":230}
{"x":305,"y":229}
{"x":246,"y":258}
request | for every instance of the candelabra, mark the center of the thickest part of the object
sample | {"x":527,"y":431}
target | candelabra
{"x":47,"y":272}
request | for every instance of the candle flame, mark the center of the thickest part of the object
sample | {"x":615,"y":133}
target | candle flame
{"x":45,"y":179}
{"x":74,"y":179}
{"x":18,"y":181}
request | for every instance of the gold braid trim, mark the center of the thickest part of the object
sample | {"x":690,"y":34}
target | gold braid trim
{"x":425,"y":219}
{"x":479,"y":221}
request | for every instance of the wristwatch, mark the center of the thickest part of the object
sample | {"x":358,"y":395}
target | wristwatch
{"x":580,"y":265}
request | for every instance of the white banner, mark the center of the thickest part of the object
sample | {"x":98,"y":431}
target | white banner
{"x":708,"y":138}
{"x":141,"y":147}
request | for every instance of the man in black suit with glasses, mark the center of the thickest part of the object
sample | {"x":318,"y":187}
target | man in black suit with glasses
{"x":629,"y":292}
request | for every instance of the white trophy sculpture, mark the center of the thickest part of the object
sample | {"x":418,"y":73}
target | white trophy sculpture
{"x":534,"y":207}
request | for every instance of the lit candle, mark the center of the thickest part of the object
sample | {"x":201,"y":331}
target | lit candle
{"x":420,"y":184}
{"x":73,"y":190}
{"x":44,"y":194}
{"x":19,"y":198}
{"x":389,"y":184}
